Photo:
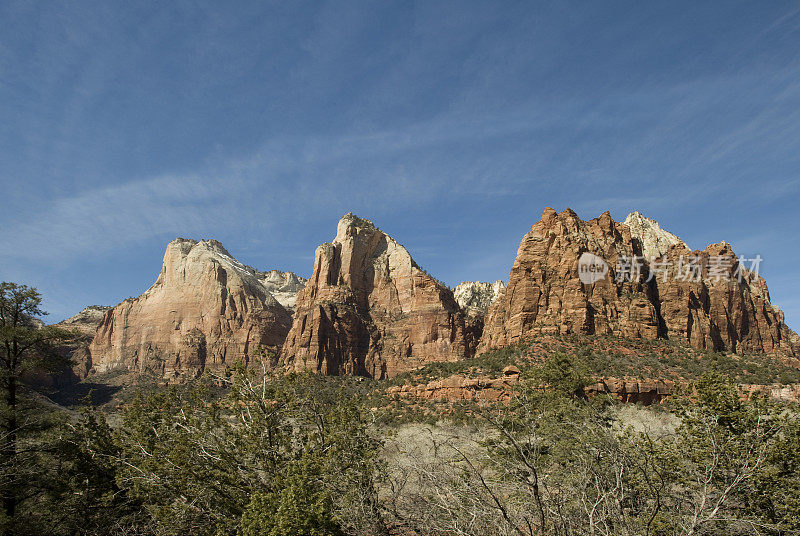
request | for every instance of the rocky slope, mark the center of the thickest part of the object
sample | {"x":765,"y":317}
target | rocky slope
{"x":475,"y":297}
{"x":546,"y":295}
{"x":632,"y":391}
{"x":87,"y":320}
{"x":368,"y":309}
{"x":206,"y":310}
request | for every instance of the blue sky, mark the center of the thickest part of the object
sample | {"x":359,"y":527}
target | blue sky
{"x":450,"y":125}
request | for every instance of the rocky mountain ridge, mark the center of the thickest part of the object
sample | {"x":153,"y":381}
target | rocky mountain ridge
{"x":87,"y":320}
{"x":702,"y":298}
{"x":369,"y":309}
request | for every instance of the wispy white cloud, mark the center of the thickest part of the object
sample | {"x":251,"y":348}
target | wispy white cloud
{"x":132,"y":125}
{"x":376,"y":168}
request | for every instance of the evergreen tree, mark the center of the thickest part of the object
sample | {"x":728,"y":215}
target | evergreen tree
{"x":27,"y":348}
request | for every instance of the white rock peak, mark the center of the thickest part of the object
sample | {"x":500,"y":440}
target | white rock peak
{"x":282,"y":286}
{"x":475,"y":297}
{"x":655,"y":240}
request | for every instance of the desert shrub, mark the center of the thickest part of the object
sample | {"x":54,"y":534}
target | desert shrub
{"x":554,"y":463}
{"x":281,"y":456}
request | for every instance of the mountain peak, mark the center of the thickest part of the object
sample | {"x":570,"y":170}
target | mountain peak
{"x":655,"y":241}
{"x":205,"y":310}
{"x":368,"y":309}
{"x":350,"y":224}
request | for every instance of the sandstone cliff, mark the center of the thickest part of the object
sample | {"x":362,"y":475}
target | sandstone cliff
{"x":475,"y":297}
{"x":368,"y":309}
{"x":718,"y":311}
{"x":206,"y":310}
{"x":546,"y":295}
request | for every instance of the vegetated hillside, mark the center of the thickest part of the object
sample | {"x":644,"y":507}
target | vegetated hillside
{"x":601,"y":359}
{"x":629,"y":370}
{"x":608,"y":356}
{"x":243,"y":453}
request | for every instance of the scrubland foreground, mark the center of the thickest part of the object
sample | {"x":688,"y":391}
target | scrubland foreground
{"x":244,"y":453}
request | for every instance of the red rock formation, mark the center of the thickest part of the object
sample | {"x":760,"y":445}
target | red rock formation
{"x":719,"y":310}
{"x":715,"y":310}
{"x":644,"y":392}
{"x":500,"y":389}
{"x":628,"y":390}
{"x":368,"y":309}
{"x":545,"y":295}
{"x":461,"y":388}
{"x":206,"y":310}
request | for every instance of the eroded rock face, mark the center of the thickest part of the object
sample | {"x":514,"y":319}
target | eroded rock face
{"x":475,"y":297}
{"x":627,"y":390}
{"x":545,"y":294}
{"x":87,"y":320}
{"x":718,"y":311}
{"x":368,"y":309}
{"x":721,"y":311}
{"x":206,"y":310}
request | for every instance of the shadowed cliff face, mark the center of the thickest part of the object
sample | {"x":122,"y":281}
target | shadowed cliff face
{"x":368,"y":309}
{"x":206,"y":310}
{"x":714,"y":310}
{"x":85,"y":322}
